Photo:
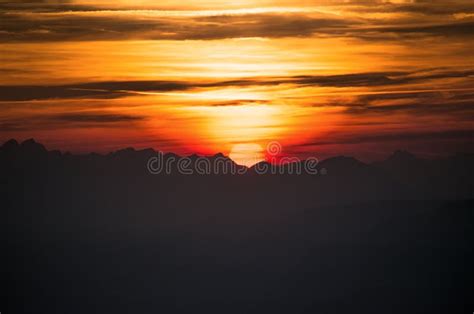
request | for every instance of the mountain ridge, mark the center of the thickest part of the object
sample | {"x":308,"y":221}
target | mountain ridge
{"x":31,"y":146}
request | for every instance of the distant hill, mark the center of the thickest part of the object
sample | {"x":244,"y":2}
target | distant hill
{"x":401,"y":176}
{"x":101,"y":234}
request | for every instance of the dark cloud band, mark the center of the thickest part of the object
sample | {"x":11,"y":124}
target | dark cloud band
{"x":117,"y":89}
{"x":463,"y":135}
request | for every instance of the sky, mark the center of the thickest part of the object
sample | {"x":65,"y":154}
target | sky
{"x":322,"y":78}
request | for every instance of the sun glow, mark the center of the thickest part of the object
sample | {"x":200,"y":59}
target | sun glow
{"x":229,"y":94}
{"x":247,"y":154}
{"x":227,"y":125}
{"x":209,"y":76}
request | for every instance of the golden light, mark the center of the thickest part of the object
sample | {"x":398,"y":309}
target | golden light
{"x":240,"y":123}
{"x":247,"y":154}
{"x":238,"y":91}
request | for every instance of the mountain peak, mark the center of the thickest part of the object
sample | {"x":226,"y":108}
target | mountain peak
{"x":219,"y":155}
{"x":30,"y":141}
{"x":33,"y":147}
{"x":402,"y":155}
{"x":124,"y":151}
{"x":10,"y":144}
{"x":343,"y":161}
{"x":261,"y":165}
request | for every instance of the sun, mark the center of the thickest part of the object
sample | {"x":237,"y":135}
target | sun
{"x":247,"y":154}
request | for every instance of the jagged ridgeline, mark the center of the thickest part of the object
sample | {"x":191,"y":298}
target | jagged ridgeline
{"x":101,"y":234}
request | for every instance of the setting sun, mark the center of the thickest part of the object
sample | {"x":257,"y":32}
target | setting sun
{"x":247,"y":154}
{"x":203,"y":76}
{"x":237,"y":156}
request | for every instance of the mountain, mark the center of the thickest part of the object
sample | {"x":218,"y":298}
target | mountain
{"x":9,"y":146}
{"x":402,"y":175}
{"x":101,"y":233}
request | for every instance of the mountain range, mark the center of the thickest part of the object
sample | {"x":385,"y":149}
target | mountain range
{"x":101,"y":234}
{"x":401,"y":176}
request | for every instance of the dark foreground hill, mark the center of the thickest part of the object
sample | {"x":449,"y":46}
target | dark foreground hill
{"x":100,"y":234}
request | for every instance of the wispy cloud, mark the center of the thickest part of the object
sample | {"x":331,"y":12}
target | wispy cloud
{"x":95,"y":117}
{"x":57,"y":23}
{"x":68,"y":120}
{"x":116,"y":89}
{"x":463,"y":135}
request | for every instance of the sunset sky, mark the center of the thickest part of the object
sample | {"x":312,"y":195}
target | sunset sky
{"x":323,"y":78}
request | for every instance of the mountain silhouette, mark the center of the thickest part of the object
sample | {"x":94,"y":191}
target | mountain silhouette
{"x":99,"y":233}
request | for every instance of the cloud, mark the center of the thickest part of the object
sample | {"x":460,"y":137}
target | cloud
{"x":437,"y":8}
{"x":462,"y":134}
{"x":33,"y":2}
{"x":47,"y":22}
{"x":117,"y":89}
{"x":445,"y":29}
{"x":95,"y":117}
{"x":455,"y":102}
{"x":68,"y":119}
{"x":121,"y":25}
{"x":100,"y":90}
{"x":418,"y":108}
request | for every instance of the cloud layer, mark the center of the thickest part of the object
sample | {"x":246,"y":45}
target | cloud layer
{"x":203,"y":75}
{"x":366,"y":20}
